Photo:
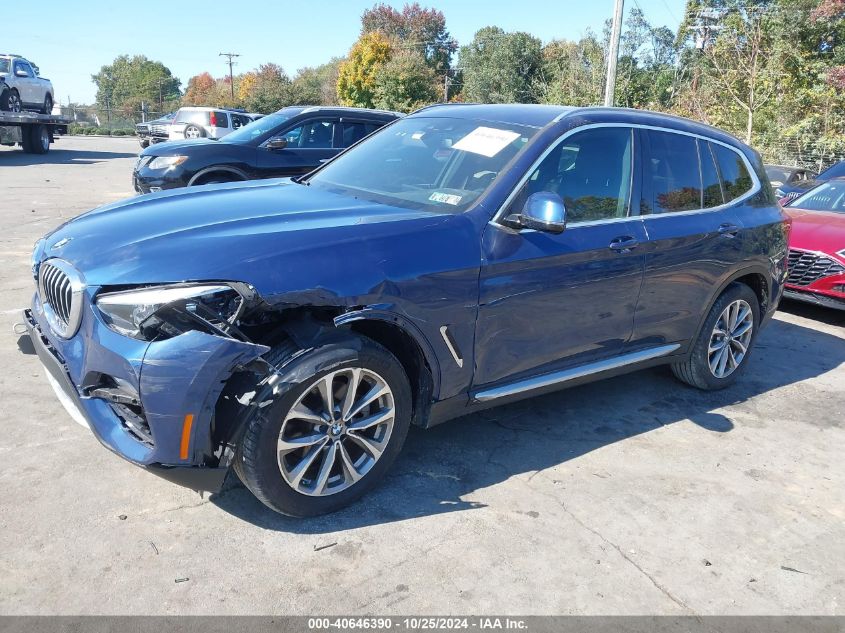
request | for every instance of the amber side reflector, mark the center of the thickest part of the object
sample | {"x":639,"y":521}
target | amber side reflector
{"x":186,"y":436}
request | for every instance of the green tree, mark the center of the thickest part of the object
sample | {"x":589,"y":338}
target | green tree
{"x":271,"y":89}
{"x":501,"y":67}
{"x":405,"y":83}
{"x":357,"y":75}
{"x":128,"y":82}
{"x":572,"y":73}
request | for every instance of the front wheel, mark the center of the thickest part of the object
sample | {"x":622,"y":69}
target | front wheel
{"x":48,"y":105}
{"x":720,"y":352}
{"x":334,"y":425}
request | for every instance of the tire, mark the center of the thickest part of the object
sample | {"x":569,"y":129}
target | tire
{"x":13,"y":101}
{"x":26,"y":139}
{"x":144,"y":143}
{"x":47,"y":108}
{"x":193,"y":131}
{"x":39,"y":138}
{"x":268,"y":473}
{"x":4,"y":100}
{"x":711,"y":347}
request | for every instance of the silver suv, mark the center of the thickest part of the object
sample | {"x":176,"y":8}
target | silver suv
{"x":27,"y":91}
{"x":201,"y":122}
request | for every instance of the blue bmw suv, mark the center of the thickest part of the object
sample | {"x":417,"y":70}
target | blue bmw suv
{"x":460,"y":258}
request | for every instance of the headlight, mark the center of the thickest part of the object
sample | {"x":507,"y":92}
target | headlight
{"x":168,"y":311}
{"x":166,"y":162}
{"x":35,"y":258}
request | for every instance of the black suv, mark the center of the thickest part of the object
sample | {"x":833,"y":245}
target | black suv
{"x":290,"y":142}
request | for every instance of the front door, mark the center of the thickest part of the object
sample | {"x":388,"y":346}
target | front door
{"x":555,"y":300}
{"x":309,"y":145}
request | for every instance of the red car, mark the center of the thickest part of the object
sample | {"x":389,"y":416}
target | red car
{"x":817,"y":246}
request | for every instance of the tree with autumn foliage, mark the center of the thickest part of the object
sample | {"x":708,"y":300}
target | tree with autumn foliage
{"x":414,"y":29}
{"x":356,"y":80}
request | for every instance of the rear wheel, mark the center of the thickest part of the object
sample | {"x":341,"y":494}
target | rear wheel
{"x":721,"y":350}
{"x":40,"y":139}
{"x":337,"y":422}
{"x":14,"y":101}
{"x":193,"y":131}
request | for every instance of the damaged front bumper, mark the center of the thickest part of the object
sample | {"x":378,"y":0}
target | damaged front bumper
{"x":170,"y":379}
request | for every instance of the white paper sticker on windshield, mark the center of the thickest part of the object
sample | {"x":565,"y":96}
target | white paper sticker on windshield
{"x":487,"y":141}
{"x":447,"y":198}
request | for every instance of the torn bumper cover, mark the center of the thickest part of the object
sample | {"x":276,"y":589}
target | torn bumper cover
{"x":174,"y":378}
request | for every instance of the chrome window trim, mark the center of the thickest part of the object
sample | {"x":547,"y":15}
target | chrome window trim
{"x":755,"y":188}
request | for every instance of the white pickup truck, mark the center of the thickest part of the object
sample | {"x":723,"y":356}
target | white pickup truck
{"x":25,"y":90}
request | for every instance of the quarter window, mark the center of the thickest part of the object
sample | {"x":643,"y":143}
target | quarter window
{"x":591,"y":171}
{"x":736,"y":181}
{"x":672,"y":173}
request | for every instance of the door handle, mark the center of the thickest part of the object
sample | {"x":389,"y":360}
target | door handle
{"x":623,"y":244}
{"x":728,"y":230}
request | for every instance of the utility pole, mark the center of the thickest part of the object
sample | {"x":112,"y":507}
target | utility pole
{"x":446,"y":87}
{"x":231,"y":56}
{"x":613,"y":53}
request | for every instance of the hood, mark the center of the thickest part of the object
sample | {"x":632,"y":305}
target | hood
{"x":822,"y":231}
{"x":188,"y":147}
{"x":231,"y":231}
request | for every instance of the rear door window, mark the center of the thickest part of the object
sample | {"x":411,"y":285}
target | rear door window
{"x":351,"y":132}
{"x":736,"y":181}
{"x":221,"y":119}
{"x":671,"y":173}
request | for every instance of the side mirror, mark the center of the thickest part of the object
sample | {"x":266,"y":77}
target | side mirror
{"x":21,"y":73}
{"x":276,"y":143}
{"x":544,"y":211}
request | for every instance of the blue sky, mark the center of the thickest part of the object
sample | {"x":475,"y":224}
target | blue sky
{"x":187,"y":35}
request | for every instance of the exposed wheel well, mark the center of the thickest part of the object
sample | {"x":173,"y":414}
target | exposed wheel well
{"x":217,"y":176}
{"x":409,"y":354}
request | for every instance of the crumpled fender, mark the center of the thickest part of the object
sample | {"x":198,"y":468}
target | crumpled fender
{"x":183,"y":376}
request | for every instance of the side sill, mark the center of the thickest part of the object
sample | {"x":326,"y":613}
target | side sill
{"x":558,"y":377}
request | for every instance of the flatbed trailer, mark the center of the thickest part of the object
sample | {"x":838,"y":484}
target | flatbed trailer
{"x":33,"y":131}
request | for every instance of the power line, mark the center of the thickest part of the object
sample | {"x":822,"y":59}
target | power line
{"x":231,"y":56}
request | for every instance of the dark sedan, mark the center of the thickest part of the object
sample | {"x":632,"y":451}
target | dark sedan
{"x":290,"y":142}
{"x":790,"y":191}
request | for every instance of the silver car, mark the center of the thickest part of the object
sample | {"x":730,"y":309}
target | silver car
{"x":201,"y":122}
{"x":27,"y":91}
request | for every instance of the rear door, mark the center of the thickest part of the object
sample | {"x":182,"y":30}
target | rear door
{"x":309,"y":144}
{"x":694,"y":233}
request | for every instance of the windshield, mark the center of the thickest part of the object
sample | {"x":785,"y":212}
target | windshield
{"x":834,"y":171}
{"x":4,"y":64}
{"x":827,"y":197}
{"x":260,"y":127}
{"x":426,"y":163}
{"x":777,"y":175}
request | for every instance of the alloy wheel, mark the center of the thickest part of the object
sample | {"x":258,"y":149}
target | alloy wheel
{"x":730,"y":338}
{"x":336,"y":431}
{"x":14,"y":102}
